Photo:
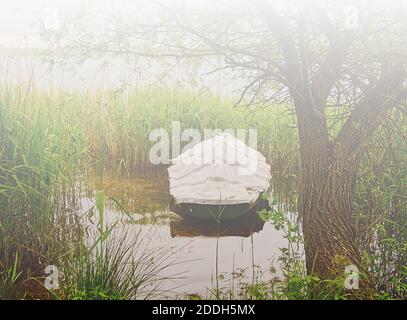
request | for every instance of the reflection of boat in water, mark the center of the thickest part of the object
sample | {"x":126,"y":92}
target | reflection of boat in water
{"x":243,"y":226}
{"x":219,"y":177}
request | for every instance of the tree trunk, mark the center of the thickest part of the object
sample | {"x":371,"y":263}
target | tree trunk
{"x":326,"y":195}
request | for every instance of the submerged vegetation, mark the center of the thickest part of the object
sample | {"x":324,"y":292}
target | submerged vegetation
{"x":50,"y":142}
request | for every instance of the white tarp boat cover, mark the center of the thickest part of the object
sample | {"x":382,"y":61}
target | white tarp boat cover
{"x":220,"y":170}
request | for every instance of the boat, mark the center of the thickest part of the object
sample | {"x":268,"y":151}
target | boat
{"x":218,"y":178}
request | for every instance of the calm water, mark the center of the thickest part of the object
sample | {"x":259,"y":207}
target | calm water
{"x":245,"y":246}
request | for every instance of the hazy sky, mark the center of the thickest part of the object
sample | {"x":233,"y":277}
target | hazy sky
{"x":18,"y":29}
{"x":18,"y":18}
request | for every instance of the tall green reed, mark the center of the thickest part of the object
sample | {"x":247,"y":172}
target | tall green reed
{"x":37,"y":162}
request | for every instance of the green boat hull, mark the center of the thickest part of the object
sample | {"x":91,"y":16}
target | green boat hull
{"x":217,"y":212}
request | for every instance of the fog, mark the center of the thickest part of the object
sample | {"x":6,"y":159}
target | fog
{"x":19,"y":19}
{"x":24,"y":58}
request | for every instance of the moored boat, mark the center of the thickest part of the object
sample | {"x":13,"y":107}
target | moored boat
{"x":220,"y":178}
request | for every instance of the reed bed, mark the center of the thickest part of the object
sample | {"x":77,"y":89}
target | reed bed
{"x":51,"y":140}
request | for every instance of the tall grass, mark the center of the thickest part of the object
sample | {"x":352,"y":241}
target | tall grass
{"x":37,"y":161}
{"x":123,"y":267}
